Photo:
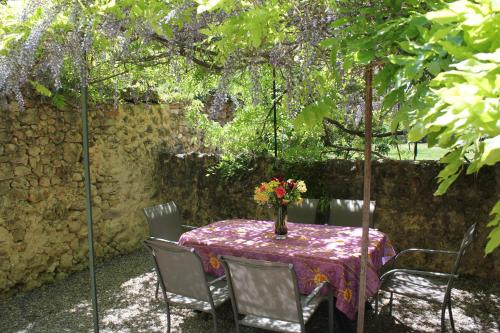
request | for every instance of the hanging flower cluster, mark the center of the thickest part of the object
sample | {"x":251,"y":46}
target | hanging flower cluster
{"x":278,"y":192}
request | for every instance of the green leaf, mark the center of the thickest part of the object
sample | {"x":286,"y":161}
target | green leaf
{"x":434,"y":67}
{"x":391,"y":98}
{"x":313,"y":114}
{"x":41,"y":89}
{"x":59,"y":101}
{"x":491,"y":153}
{"x":207,"y":5}
{"x":339,"y":22}
{"x":442,"y":16}
{"x":494,"y":236}
{"x":447,"y":177}
{"x":384,"y":77}
{"x":417,"y":132}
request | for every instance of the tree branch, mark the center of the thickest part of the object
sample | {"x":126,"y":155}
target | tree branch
{"x":182,"y":52}
{"x":107,"y":77}
{"x":360,"y":133}
{"x":356,"y":150}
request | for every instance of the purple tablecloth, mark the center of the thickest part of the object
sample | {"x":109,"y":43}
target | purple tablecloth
{"x":317,"y":252}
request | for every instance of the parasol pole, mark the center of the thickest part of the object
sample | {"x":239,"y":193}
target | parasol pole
{"x":275,"y":121}
{"x":366,"y":196}
{"x":88,"y":197}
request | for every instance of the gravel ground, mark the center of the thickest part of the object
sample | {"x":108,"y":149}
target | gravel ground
{"x":127,"y":304}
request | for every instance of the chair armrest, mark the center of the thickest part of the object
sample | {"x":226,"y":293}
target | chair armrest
{"x":190,"y":227}
{"x":415,"y":250}
{"x":220,"y":278}
{"x":417,"y":272}
{"x":314,"y":293}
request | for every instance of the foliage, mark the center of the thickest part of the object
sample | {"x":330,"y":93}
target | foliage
{"x":436,"y":62}
{"x":442,"y":68}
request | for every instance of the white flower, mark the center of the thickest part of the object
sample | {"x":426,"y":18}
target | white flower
{"x":301,"y":186}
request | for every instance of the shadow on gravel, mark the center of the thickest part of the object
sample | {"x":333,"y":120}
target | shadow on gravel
{"x":127,"y":304}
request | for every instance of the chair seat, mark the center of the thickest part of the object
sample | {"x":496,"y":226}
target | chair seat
{"x":219,"y":296}
{"x":282,"y":325}
{"x":416,"y":286}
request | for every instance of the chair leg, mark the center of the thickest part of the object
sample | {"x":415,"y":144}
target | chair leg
{"x":451,"y":316}
{"x":443,"y":313}
{"x":390,"y":304}
{"x":168,"y":318}
{"x":236,"y":320}
{"x":331,"y":309}
{"x":157,"y":288}
{"x":216,"y":330}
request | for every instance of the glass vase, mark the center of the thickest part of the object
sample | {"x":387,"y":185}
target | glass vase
{"x":280,"y":227}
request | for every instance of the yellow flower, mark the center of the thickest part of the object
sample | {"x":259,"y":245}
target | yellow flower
{"x":260,"y":197}
{"x":214,"y":262}
{"x":272,"y":185}
{"x":320,"y":277}
{"x":301,"y":186}
{"x":347,"y":294}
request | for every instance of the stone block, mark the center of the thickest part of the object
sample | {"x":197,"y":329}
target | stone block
{"x":20,"y":183}
{"x":73,"y":136}
{"x":34,"y":151}
{"x":10,"y":148}
{"x":4,"y":187}
{"x":22,"y":170}
{"x":74,"y":226}
{"x":5,"y":136}
{"x":19,"y":157}
{"x":66,"y":260}
{"x":72,"y":152}
{"x":36,"y":195}
{"x":6,"y":171}
{"x":54,"y":180}
{"x":28,"y":117}
{"x":77,"y":177}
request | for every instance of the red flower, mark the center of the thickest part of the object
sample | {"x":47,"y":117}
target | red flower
{"x":280,"y":192}
{"x":262,"y":187}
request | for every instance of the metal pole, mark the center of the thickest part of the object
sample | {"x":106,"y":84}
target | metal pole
{"x":88,"y":197}
{"x":275,"y":119}
{"x":366,"y":196}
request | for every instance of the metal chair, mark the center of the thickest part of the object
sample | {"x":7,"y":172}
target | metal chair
{"x":305,"y":212}
{"x":430,"y":286}
{"x":183,"y":281}
{"x":165,"y":222}
{"x":266,"y":293}
{"x":349,"y":213}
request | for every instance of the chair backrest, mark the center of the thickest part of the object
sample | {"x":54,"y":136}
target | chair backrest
{"x":469,"y":236}
{"x":180,"y":269}
{"x":263,"y":288}
{"x":164,"y":221}
{"x":349,"y":213}
{"x":305,"y":212}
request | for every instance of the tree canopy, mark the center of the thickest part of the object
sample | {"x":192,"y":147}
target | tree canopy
{"x":437,"y":69}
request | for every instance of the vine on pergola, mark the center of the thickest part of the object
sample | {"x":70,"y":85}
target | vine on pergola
{"x":438,"y":61}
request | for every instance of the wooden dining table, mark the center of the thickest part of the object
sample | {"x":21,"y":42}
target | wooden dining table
{"x":318,"y":253}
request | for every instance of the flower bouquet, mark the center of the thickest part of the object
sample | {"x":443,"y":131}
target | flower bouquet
{"x":279,"y":194}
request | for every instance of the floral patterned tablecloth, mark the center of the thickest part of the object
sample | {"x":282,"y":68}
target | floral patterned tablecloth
{"x":317,"y":252}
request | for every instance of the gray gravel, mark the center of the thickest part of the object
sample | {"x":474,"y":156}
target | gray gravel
{"x":127,"y":304}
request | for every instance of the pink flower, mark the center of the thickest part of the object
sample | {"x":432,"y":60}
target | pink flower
{"x":280,"y":192}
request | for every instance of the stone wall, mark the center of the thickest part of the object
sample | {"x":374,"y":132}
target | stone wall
{"x":405,"y":206}
{"x":42,"y":212}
